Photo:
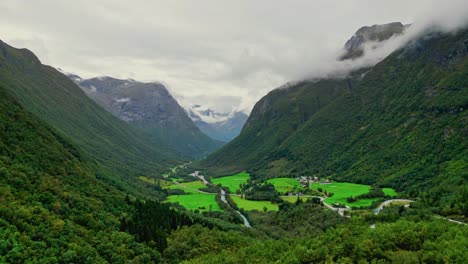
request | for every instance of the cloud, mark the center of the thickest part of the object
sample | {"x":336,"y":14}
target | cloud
{"x":225,"y":54}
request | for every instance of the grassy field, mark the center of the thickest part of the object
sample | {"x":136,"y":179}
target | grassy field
{"x":195,"y":201}
{"x":284,"y":185}
{"x":232,"y":182}
{"x":293,"y":199}
{"x":162,"y":183}
{"x":190,"y":187}
{"x":389,"y":192}
{"x":249,"y":205}
{"x":343,"y":190}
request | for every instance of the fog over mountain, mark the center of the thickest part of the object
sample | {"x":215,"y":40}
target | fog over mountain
{"x":221,"y":54}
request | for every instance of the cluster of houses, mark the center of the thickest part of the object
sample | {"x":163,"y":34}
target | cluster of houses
{"x":305,"y":181}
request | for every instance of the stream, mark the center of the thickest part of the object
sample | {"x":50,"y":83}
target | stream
{"x":223,"y":198}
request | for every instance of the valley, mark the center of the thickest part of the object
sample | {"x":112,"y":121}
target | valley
{"x":198,"y":197}
{"x":183,"y":151}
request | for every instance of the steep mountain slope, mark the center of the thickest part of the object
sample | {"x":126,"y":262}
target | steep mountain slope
{"x":118,"y":150}
{"x":219,"y":126}
{"x":403,"y":125}
{"x":151,"y":107}
{"x":53,"y":209}
{"x":274,"y":118}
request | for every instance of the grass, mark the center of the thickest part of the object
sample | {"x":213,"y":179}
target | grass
{"x":196,"y":201}
{"x":293,"y":199}
{"x":343,"y":190}
{"x":249,"y":205}
{"x":232,"y":182}
{"x":162,"y":183}
{"x":284,"y":185}
{"x":389,"y":192}
{"x":190,"y":187}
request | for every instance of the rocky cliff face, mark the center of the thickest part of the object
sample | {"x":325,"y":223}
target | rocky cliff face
{"x":354,"y":47}
{"x":133,"y":101}
{"x":151,"y":107}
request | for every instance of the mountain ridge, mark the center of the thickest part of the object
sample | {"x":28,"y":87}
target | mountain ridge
{"x":151,"y":108}
{"x":119,"y":151}
{"x":402,"y":125}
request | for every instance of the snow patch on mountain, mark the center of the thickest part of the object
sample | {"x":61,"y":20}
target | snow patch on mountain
{"x":205,"y":114}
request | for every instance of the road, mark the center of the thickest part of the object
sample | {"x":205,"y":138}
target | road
{"x":339,"y":211}
{"x":196,"y":174}
{"x":382,"y":205}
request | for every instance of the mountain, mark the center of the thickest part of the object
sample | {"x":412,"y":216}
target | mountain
{"x":402,"y":124}
{"x":219,"y":126}
{"x":117,"y":150}
{"x":354,"y":47}
{"x":50,"y":195}
{"x":151,"y":108}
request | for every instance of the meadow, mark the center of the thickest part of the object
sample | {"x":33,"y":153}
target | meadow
{"x":232,"y":182}
{"x":284,"y":185}
{"x":342,"y":190}
{"x":200,"y":201}
{"x":250,"y":205}
{"x":190,"y":187}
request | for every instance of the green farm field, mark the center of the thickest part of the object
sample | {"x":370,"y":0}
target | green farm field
{"x":343,"y":190}
{"x":232,"y":182}
{"x":195,"y":201}
{"x":293,"y":199}
{"x":249,"y":205}
{"x":284,"y":185}
{"x":190,"y":187}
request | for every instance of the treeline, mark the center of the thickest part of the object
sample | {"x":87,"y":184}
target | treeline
{"x":403,"y":241}
{"x":153,"y":222}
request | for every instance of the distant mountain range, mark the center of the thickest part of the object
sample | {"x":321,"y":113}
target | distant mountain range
{"x":150,"y":107}
{"x":220,"y":126}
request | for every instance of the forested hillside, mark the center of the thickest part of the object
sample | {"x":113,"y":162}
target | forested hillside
{"x":404,"y":125}
{"x":118,"y":151}
{"x":53,"y":209}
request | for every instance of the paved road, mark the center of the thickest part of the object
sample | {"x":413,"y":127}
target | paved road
{"x":196,"y":174}
{"x":382,"y":205}
{"x":339,"y":211}
{"x":450,"y":220}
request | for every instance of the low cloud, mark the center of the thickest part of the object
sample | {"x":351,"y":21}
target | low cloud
{"x":225,"y":54}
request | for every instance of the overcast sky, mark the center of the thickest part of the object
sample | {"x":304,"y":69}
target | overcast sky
{"x":221,"y":54}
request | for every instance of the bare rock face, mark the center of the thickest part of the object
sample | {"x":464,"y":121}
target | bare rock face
{"x":354,"y":47}
{"x":134,"y":101}
{"x":152,"y":108}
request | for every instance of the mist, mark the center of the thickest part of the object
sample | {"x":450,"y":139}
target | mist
{"x":221,"y":54}
{"x":445,"y":20}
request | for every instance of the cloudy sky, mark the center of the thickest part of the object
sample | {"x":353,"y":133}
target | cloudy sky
{"x":221,"y":54}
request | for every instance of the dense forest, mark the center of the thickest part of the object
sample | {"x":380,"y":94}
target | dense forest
{"x":54,"y":210}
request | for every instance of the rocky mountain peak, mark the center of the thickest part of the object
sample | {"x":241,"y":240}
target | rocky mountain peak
{"x":354,"y":47}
